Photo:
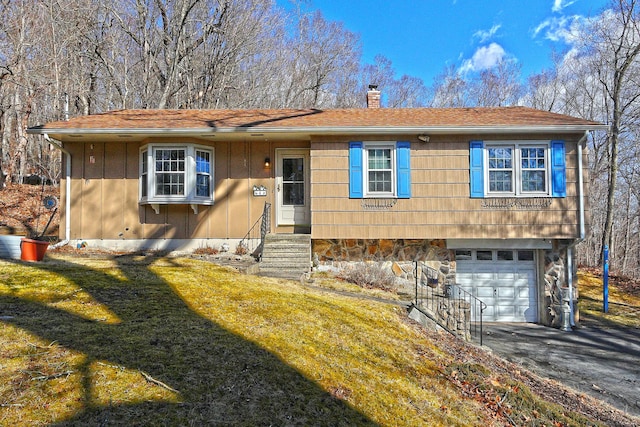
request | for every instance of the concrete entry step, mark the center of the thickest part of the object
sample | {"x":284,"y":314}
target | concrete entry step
{"x":286,"y":255}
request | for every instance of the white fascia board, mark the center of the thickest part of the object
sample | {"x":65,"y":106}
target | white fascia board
{"x":347,"y":130}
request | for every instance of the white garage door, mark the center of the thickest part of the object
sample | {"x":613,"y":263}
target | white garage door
{"x":505,"y":280}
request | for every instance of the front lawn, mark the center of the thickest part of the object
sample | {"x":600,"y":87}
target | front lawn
{"x":146,"y":340}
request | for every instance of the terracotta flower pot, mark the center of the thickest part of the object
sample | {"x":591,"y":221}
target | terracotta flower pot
{"x":32,"y":250}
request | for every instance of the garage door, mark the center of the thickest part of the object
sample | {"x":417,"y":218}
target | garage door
{"x":505,"y":280}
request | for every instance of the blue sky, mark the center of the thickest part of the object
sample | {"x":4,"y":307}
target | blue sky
{"x":421,"y":37}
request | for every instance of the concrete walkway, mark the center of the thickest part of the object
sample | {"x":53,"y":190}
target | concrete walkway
{"x":599,"y":361}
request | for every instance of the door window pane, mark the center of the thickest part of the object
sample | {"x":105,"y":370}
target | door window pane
{"x":293,"y":181}
{"x":293,"y":194}
{"x":484,"y":255}
{"x":505,"y":255}
{"x":293,"y":170}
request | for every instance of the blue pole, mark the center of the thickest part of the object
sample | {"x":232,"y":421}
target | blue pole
{"x":605,"y":281}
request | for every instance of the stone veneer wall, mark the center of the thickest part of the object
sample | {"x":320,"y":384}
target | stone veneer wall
{"x":397,"y":254}
{"x":376,"y":249}
{"x":556,"y":287}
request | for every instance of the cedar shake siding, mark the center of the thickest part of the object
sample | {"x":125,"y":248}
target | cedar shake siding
{"x":440,"y":206}
{"x":432,"y":190}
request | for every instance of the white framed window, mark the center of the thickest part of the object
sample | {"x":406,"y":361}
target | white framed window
{"x":169,"y":171}
{"x":517,"y":169}
{"x":380,"y":171}
{"x":176,"y":174}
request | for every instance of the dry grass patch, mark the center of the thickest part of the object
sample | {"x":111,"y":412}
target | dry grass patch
{"x":180,"y":341}
{"x":624,"y":306}
{"x":358,"y":351}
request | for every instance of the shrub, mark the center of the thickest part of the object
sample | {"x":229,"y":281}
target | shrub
{"x":206,"y":250}
{"x":241,"y":249}
{"x":369,"y":275}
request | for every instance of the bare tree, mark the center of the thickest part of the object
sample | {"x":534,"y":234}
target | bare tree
{"x":22,"y":41}
{"x":498,"y":86}
{"x":614,"y":46}
{"x":165,"y":33}
{"x":544,"y":91}
{"x":450,"y":89}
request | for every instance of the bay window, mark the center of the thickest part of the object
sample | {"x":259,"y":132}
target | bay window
{"x":176,"y":174}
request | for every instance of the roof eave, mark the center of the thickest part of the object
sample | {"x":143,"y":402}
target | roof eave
{"x":329,"y":130}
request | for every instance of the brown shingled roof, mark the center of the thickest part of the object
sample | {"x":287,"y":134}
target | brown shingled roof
{"x":310,"y":119}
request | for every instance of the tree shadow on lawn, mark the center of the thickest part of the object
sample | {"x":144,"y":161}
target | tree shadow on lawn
{"x":221,"y":378}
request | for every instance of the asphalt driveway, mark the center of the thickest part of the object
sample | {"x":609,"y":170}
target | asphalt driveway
{"x":599,"y":361}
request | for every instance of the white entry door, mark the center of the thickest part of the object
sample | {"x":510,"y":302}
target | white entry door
{"x":505,"y":280}
{"x":292,"y":187}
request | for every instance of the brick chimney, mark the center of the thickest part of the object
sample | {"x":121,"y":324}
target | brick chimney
{"x":373,"y":97}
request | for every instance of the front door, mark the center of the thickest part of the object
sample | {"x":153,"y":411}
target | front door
{"x":292,"y":187}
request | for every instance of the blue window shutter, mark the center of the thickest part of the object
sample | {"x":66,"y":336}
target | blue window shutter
{"x":476,"y":168}
{"x":355,"y":170}
{"x":403,"y":163}
{"x":558,"y":170}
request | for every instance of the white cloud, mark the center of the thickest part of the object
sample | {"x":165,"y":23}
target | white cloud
{"x":485,"y":35}
{"x":558,"y":5}
{"x":484,"y":58}
{"x":563,"y":28}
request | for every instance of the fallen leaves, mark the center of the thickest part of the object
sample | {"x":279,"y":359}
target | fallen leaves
{"x":22,"y":211}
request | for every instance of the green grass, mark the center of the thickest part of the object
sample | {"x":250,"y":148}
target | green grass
{"x":175,"y":341}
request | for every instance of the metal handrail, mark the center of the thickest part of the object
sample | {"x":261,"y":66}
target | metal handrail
{"x":253,"y":241}
{"x":450,"y":306}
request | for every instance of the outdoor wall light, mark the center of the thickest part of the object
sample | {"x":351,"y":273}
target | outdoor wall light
{"x":267,"y":162}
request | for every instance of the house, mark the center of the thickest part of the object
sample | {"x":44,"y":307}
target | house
{"x":493,"y":199}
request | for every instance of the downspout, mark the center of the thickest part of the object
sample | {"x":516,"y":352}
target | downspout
{"x":67,"y":205}
{"x":582,"y":228}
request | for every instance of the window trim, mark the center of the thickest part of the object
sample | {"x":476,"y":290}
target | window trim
{"x":153,"y":175}
{"x":379,"y":145}
{"x":555,"y":168}
{"x":190,"y":175}
{"x":400,"y":170}
{"x":516,"y":168}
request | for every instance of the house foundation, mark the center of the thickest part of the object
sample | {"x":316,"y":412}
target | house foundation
{"x":400,"y":255}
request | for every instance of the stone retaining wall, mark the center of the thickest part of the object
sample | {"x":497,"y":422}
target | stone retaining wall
{"x":377,"y":249}
{"x":396,"y":255}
